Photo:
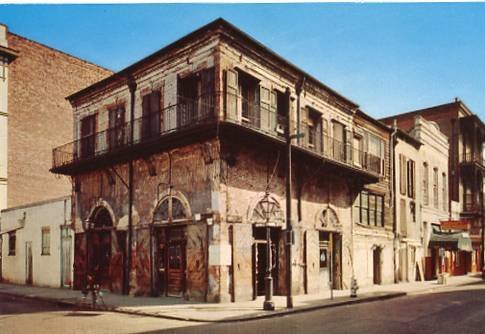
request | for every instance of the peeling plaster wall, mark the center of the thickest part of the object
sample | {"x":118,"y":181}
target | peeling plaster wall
{"x":194,"y":168}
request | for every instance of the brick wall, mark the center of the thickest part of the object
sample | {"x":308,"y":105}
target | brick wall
{"x":39,"y":116}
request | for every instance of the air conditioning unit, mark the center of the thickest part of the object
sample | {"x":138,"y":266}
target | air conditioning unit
{"x":280,"y":129}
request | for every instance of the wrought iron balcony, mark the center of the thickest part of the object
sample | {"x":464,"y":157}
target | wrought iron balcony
{"x":188,"y":113}
{"x":191,"y":114}
{"x":469,"y":158}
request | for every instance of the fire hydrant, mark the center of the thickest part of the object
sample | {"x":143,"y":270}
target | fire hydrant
{"x":353,"y":287}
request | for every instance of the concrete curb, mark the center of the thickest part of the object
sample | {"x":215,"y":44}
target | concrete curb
{"x":270,"y":314}
{"x":273,"y":314}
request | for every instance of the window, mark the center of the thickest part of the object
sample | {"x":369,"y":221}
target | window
{"x":425,"y":184}
{"x":376,"y":153}
{"x":412,"y":210}
{"x":46,"y":241}
{"x":249,"y":94}
{"x":151,"y":115}
{"x":3,"y":67}
{"x":314,"y":129}
{"x":357,"y":150}
{"x":411,"y":178}
{"x":402,"y":174}
{"x":435,"y":188}
{"x":88,"y":133}
{"x":116,"y":131}
{"x":368,"y":209}
{"x":403,"y":221}
{"x":444,"y":192}
{"x":12,"y":238}
{"x":338,"y":141}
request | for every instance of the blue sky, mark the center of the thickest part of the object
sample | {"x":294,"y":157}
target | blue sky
{"x":388,"y":58}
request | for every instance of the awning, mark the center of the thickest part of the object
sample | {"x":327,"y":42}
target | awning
{"x":451,"y":240}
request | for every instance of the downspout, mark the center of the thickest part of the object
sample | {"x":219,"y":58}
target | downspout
{"x":298,"y":89}
{"x":132,"y":88}
{"x":393,"y":195}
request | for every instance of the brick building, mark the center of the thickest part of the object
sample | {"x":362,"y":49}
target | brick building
{"x":465,"y":133}
{"x":178,"y":165}
{"x":34,"y":118}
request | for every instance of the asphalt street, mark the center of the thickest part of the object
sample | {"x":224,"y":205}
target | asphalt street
{"x":457,"y":310}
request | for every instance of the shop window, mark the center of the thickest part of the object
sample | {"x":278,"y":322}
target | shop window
{"x":12,"y":240}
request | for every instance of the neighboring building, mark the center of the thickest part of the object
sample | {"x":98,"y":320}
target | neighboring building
{"x":407,"y":206}
{"x":34,"y":118}
{"x":37,"y":244}
{"x":179,"y":164}
{"x":466,"y":134}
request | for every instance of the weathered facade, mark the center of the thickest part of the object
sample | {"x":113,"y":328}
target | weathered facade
{"x":464,"y":132}
{"x":179,"y":164}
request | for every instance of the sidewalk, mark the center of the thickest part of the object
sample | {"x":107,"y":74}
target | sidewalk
{"x":179,"y":309}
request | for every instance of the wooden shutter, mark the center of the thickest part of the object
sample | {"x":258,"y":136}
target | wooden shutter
{"x":273,"y":121}
{"x":383,"y":158}
{"x":348,"y":145}
{"x":207,"y":93}
{"x":155,"y":113}
{"x":231,"y":95}
{"x":264,"y":108}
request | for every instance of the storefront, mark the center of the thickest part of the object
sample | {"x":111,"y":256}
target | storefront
{"x":451,"y":252}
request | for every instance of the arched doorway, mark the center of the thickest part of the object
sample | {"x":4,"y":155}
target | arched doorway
{"x":267,"y":214}
{"x":330,"y":249}
{"x":169,"y":221}
{"x":99,"y":249}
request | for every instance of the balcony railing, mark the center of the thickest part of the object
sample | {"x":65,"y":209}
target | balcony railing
{"x":473,"y":203}
{"x":468,"y":157}
{"x":187,"y":113}
{"x":191,"y":113}
{"x":315,"y":140}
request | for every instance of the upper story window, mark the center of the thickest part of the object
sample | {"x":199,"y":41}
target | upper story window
{"x":88,"y":136}
{"x":435,"y":188}
{"x":425,"y":184}
{"x":444,"y":196}
{"x":358,"y":150}
{"x":196,"y":97}
{"x":151,"y":114}
{"x":402,"y":174}
{"x":12,"y":241}
{"x":117,"y":132}
{"x":376,"y":152}
{"x":314,"y":129}
{"x":338,"y":145}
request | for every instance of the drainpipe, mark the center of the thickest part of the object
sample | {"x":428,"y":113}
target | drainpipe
{"x":299,"y":88}
{"x":393,"y":195}
{"x":289,"y":227}
{"x":132,"y":88}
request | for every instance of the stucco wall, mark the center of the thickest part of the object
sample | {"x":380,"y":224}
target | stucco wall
{"x":29,"y":221}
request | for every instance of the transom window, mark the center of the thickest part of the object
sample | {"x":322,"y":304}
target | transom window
{"x":170,"y":209}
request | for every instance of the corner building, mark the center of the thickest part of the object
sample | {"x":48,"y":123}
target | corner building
{"x":179,"y":164}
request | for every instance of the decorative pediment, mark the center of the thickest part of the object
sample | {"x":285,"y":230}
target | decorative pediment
{"x":328,"y":220}
{"x":268,"y":212}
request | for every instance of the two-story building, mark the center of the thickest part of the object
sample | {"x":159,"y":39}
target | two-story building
{"x":179,"y":165}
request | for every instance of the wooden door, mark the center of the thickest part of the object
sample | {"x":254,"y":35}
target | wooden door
{"x":176,"y":267}
{"x":377,"y":265}
{"x":66,"y":265}
{"x":28,"y":263}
